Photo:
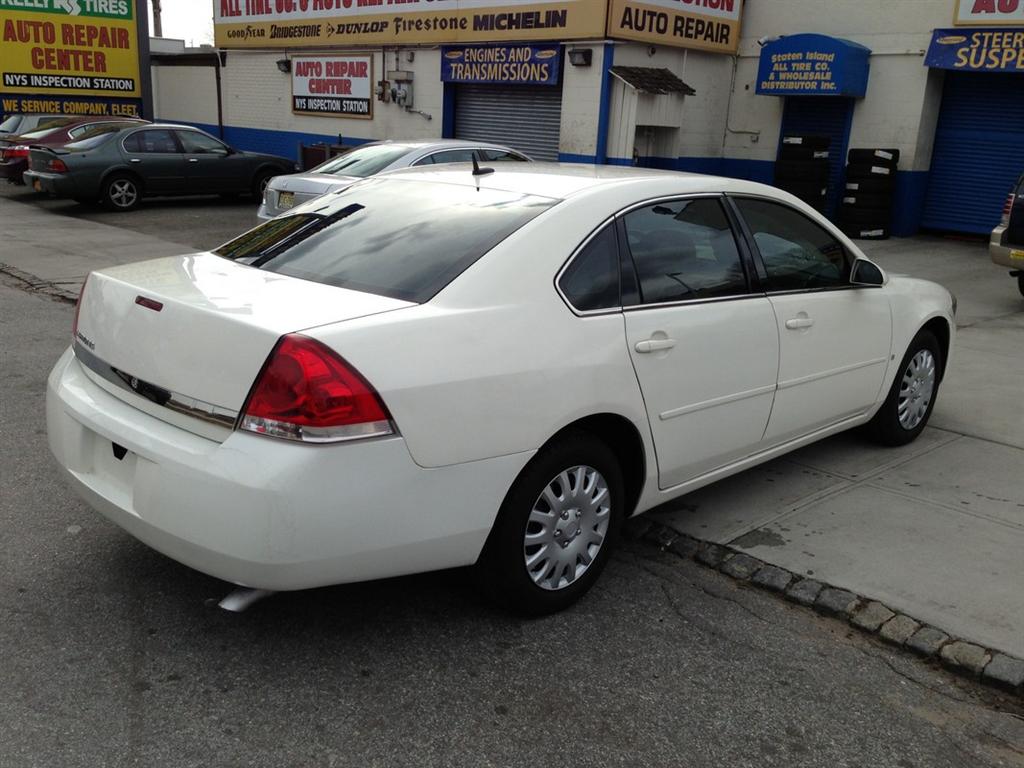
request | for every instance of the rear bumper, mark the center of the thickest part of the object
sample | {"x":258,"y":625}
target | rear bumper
{"x":1002,"y":254}
{"x":268,"y":513}
{"x":12,"y":170}
{"x":53,"y":184}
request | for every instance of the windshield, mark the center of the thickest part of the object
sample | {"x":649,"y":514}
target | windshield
{"x":10,"y":124}
{"x":39,"y":133}
{"x":364,"y":161}
{"x":402,"y":239}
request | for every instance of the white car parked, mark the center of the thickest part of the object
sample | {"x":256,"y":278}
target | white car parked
{"x":440,"y":368}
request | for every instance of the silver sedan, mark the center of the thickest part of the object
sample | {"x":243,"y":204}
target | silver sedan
{"x":285,"y":192}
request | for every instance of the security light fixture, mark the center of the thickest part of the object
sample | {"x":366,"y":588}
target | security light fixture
{"x":284,"y":65}
{"x":580,"y":57}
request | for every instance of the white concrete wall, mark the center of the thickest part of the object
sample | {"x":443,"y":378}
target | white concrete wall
{"x":581,"y":102}
{"x":185,"y":93}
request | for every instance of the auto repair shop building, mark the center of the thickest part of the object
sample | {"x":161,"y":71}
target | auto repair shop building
{"x":698,"y":85}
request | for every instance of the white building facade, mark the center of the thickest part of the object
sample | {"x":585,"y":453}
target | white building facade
{"x":677,"y":84}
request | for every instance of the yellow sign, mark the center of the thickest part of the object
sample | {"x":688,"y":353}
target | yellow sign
{"x":52,"y":49}
{"x":315,"y":23}
{"x":707,"y":25}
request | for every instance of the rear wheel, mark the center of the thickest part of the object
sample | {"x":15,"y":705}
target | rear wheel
{"x":121,"y":193}
{"x":905,"y":412}
{"x":556,"y":528}
{"x":1020,"y":284}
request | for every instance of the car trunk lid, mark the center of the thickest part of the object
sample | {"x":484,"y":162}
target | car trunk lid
{"x":183,"y":338}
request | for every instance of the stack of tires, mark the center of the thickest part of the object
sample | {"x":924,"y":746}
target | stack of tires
{"x":866,"y":210}
{"x":802,"y":168}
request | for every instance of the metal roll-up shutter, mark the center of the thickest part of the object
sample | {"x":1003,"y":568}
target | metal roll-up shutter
{"x":978,"y":152}
{"x":527,"y":118}
{"x":822,"y":116}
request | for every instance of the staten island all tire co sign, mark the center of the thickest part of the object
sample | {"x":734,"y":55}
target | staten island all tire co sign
{"x":306,"y":23}
{"x":69,"y":57}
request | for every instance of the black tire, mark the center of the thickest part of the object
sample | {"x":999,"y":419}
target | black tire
{"x":502,"y":565}
{"x":121,"y":192}
{"x":806,"y":190}
{"x":855,"y":171}
{"x":867,"y":233}
{"x":861,"y":217}
{"x":885,"y":427}
{"x":807,"y":142}
{"x":879,"y":185}
{"x":1020,"y":284}
{"x":260,"y":181}
{"x":867,"y":200}
{"x":790,"y":153}
{"x":889,"y":157}
{"x":811,"y":170}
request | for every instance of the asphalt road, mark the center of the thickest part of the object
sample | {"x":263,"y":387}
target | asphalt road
{"x":200,"y":222}
{"x":112,"y":655}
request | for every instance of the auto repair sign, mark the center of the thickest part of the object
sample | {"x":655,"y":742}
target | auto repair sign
{"x":73,"y":57}
{"x":706,"y":25}
{"x":977,"y":13}
{"x":339,"y":85}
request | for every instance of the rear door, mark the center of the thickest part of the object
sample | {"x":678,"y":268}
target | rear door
{"x":156,"y":155}
{"x":835,"y":338}
{"x":704,"y":344}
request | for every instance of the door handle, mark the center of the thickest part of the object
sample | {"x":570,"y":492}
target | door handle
{"x":135,"y":160}
{"x":799,"y":322}
{"x":654,"y":345}
{"x":193,"y":159}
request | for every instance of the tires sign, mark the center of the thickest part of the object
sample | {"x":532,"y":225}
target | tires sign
{"x":338,"y":86}
{"x":71,"y":57}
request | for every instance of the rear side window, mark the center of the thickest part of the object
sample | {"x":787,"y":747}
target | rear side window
{"x":363,"y":161}
{"x":448,"y":156}
{"x":684,"y":250}
{"x":154,"y":141}
{"x":397,"y":238}
{"x":591,"y":281}
{"x":492,"y":155}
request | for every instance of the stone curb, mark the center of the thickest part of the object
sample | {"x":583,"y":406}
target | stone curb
{"x":34,"y":285}
{"x":982,"y":664}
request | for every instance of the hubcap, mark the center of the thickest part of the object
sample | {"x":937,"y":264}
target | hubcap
{"x":566,"y":528}
{"x":123,"y":193}
{"x":263,"y":184}
{"x":916,"y":389}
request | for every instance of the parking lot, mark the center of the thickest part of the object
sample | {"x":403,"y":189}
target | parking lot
{"x":116,"y":655}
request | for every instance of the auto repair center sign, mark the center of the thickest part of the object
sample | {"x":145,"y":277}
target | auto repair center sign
{"x":71,"y":57}
{"x":333,"y":85}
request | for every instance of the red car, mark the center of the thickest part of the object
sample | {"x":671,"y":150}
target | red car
{"x":14,"y":149}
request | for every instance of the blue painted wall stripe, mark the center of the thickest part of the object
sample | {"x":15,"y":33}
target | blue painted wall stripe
{"x":606,"y":102}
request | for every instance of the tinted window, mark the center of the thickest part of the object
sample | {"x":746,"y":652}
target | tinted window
{"x":93,"y":138}
{"x":364,"y":161}
{"x":403,"y":239}
{"x":156,"y":141}
{"x":497,"y":154}
{"x":197,"y":143}
{"x":684,"y":250}
{"x":797,"y":253}
{"x":450,"y":156}
{"x":591,"y":281}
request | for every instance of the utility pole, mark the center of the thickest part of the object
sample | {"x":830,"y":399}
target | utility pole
{"x":157,"y":26}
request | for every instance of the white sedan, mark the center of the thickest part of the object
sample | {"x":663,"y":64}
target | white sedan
{"x":441,"y":368}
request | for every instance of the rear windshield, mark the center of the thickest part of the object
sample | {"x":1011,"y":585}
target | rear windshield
{"x":402,"y":239}
{"x":94,"y":137}
{"x":364,"y":161}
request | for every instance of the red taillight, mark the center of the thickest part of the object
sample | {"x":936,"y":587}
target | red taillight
{"x":78,"y":308}
{"x":307,"y":392}
{"x":10,"y":153}
{"x":1007,"y":208}
{"x":56,"y":165}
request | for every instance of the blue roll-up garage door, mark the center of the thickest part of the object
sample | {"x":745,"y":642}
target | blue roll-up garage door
{"x":822,"y":116}
{"x":978,"y":153}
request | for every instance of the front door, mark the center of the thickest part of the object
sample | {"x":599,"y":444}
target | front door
{"x":705,"y":349}
{"x":211,"y":167}
{"x":834,"y":338}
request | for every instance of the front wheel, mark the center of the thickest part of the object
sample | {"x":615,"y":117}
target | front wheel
{"x":905,"y":412}
{"x":556,"y":528}
{"x":260,"y":182}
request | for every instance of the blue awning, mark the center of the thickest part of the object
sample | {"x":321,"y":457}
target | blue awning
{"x":813,"y":65}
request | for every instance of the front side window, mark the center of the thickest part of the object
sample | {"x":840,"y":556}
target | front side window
{"x":398,"y":238}
{"x":797,"y":253}
{"x":196,"y":143}
{"x":591,"y":281}
{"x":154,"y":141}
{"x":684,"y":250}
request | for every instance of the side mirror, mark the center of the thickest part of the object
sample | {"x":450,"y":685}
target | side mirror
{"x":866,"y":273}
{"x":221,"y":152}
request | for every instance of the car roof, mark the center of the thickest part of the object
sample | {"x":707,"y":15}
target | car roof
{"x":423,"y":144}
{"x":563,"y":180}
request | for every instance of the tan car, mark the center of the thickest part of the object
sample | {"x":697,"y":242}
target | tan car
{"x":1006,"y":245}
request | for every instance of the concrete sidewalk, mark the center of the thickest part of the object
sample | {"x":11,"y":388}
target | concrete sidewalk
{"x":934,"y":530}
